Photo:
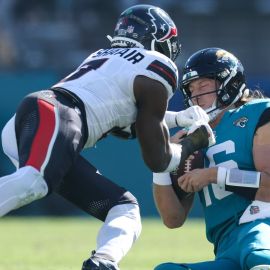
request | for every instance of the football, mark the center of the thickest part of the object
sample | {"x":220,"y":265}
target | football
{"x":196,"y":161}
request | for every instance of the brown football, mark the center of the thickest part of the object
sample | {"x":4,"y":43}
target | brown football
{"x":196,"y":161}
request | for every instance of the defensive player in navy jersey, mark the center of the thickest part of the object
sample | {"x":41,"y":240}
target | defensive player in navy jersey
{"x":122,"y":90}
{"x":234,"y":187}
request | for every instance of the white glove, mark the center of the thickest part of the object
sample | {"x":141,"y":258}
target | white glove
{"x":256,"y":210}
{"x":197,"y":124}
{"x":186,"y":117}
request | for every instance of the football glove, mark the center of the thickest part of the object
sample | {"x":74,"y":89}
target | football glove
{"x":192,"y":114}
{"x":198,"y":124}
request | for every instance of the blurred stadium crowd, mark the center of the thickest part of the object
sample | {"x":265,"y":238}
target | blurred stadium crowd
{"x":51,"y":37}
{"x":58,"y":34}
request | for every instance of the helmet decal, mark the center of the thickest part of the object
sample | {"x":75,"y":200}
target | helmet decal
{"x":223,"y":55}
{"x":165,"y":26}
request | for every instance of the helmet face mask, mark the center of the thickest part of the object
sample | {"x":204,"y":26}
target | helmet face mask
{"x":148,"y":27}
{"x":220,"y":65}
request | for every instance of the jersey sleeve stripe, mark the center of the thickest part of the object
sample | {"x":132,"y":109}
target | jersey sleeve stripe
{"x":165,"y":72}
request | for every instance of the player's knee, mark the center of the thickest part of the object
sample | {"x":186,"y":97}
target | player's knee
{"x":21,"y":188}
{"x":171,"y":266}
{"x":28,"y":185}
{"x":131,"y":210}
{"x":258,"y":260}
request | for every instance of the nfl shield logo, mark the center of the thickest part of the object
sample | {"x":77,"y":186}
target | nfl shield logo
{"x":254,"y":209}
{"x":130,"y":29}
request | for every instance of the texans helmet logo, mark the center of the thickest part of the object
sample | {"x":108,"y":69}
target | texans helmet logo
{"x":165,"y":26}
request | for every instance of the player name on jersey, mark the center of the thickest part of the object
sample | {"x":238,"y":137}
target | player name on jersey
{"x":131,"y":55}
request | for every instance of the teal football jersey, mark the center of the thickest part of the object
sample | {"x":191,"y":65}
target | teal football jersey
{"x":233,"y":149}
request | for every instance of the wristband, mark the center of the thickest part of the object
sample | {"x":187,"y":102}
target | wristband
{"x":221,"y":176}
{"x":176,"y":150}
{"x":170,"y":119}
{"x":162,"y":179}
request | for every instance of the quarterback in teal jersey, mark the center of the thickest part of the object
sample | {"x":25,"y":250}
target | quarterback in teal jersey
{"x":235,"y":183}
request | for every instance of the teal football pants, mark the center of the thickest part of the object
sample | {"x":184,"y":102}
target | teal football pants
{"x":244,"y":247}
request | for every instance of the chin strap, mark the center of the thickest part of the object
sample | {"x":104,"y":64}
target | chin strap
{"x":109,"y":38}
{"x":213,"y":114}
{"x":124,"y":42}
{"x":215,"y":110}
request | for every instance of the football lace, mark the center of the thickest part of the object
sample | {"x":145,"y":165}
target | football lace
{"x":187,"y":167}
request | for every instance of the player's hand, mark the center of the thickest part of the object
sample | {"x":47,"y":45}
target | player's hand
{"x":192,"y":114}
{"x":178,"y":136}
{"x":196,"y":179}
{"x":199,"y":123}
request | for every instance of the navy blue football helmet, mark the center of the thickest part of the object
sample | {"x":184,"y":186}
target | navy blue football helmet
{"x":148,"y":27}
{"x":218,"y":64}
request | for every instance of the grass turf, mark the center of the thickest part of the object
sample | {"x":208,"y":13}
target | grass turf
{"x":63,"y":243}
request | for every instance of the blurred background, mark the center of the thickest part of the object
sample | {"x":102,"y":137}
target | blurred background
{"x":43,"y":40}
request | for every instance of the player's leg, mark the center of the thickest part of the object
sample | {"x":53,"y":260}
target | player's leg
{"x":48,"y":136}
{"x":257,"y":258}
{"x":261,"y":267}
{"x":254,"y":244}
{"x":105,"y":200}
{"x":23,"y":186}
{"x":222,"y":264}
{"x":15,"y":188}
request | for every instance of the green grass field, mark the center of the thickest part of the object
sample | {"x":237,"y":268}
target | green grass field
{"x":62,"y":244}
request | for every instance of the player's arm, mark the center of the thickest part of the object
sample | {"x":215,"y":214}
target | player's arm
{"x":151,"y":100}
{"x":253,"y":185}
{"x":158,"y":153}
{"x":261,"y":151}
{"x":261,"y":154}
{"x":172,"y":210}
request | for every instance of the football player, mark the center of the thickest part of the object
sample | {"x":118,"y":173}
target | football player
{"x":235,"y":183}
{"x":121,"y":90}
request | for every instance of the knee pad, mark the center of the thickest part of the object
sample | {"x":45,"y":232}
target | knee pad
{"x":259,"y":259}
{"x":171,"y":266}
{"x":20,"y":188}
{"x":9,"y":141}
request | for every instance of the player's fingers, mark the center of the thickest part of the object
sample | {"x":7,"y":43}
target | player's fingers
{"x":176,"y":138}
{"x":196,"y":186}
{"x":190,"y":187}
{"x":183,"y":183}
{"x":180,"y":180}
